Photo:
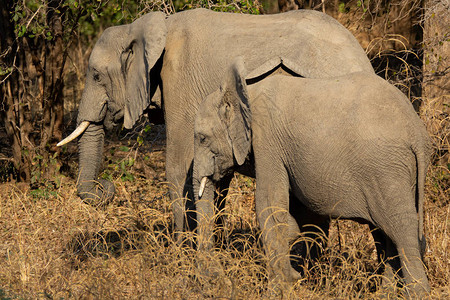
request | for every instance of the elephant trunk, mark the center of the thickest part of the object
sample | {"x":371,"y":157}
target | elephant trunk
{"x":204,"y":203}
{"x":89,"y":188}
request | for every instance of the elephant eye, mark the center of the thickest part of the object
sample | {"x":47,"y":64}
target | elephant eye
{"x":96,"y":77}
{"x":202,"y":138}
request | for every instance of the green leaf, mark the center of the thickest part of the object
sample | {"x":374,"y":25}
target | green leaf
{"x":127,"y":177}
{"x":22,"y":31}
{"x":124,"y":148}
{"x":140,"y":140}
{"x":5,"y":71}
{"x":107,"y":176}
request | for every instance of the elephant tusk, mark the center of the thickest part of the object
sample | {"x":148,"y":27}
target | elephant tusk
{"x":202,"y":187}
{"x":76,"y":133}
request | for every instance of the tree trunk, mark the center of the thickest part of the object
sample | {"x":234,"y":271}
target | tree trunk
{"x":270,"y":6}
{"x":15,"y":94}
{"x":32,"y":84}
{"x":52,"y":100}
{"x":436,"y":79}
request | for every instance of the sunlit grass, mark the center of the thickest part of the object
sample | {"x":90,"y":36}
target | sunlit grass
{"x":59,"y":247}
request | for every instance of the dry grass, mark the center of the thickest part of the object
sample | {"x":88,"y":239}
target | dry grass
{"x":52,"y":245}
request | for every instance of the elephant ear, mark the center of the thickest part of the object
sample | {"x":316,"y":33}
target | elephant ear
{"x":235,"y":112}
{"x":147,"y":40}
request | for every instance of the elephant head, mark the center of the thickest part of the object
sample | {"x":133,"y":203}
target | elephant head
{"x":118,"y":86}
{"x":222,"y":129}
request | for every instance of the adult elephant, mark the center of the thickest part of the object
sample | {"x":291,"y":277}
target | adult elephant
{"x":183,"y":58}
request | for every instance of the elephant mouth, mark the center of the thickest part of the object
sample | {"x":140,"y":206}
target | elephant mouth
{"x":113,"y":118}
{"x":115,"y":111}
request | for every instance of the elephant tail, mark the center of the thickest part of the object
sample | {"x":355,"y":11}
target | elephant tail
{"x":422,"y":161}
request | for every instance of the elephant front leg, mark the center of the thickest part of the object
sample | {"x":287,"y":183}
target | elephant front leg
{"x":276,"y":223}
{"x":179,"y":178}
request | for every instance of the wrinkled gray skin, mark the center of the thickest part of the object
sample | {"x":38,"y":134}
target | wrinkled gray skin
{"x":350,"y":147}
{"x":173,"y":63}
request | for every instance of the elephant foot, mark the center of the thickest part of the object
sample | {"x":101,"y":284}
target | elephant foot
{"x":209,"y":268}
{"x":279,"y":288}
{"x":184,"y":240}
{"x":393,"y":286}
{"x":388,"y":283}
{"x":97,"y":194}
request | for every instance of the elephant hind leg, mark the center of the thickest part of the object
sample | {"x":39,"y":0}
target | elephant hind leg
{"x":413,"y":270}
{"x":399,"y":221}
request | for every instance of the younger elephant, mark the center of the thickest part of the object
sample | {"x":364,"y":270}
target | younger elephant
{"x":349,"y":147}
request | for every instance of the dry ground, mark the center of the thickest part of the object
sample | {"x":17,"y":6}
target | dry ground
{"x":52,"y":245}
